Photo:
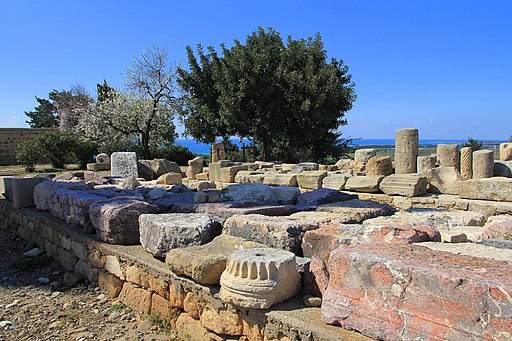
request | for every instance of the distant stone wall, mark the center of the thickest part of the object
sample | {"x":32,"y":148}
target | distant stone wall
{"x":11,"y":137}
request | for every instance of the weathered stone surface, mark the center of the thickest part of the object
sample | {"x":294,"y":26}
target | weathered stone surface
{"x":145,"y":171}
{"x":117,"y":220}
{"x":311,"y":179}
{"x":379,"y":165}
{"x":203,"y":176}
{"x":169,"y":179}
{"x":358,"y":210}
{"x":466,"y":163}
{"x":44,"y":191}
{"x":218,"y":152}
{"x":259,"y":278}
{"x":98,"y":166}
{"x":503,"y":169}
{"x":424,"y":163}
{"x":278,"y":232}
{"x":406,"y":150}
{"x":187,"y":325}
{"x":195,"y":166}
{"x":214,"y":169}
{"x":448,"y":155}
{"x":483,"y":164}
{"x":163,"y":166}
{"x":496,"y":188}
{"x":443,"y":180}
{"x":249,"y":192}
{"x":109,"y":283}
{"x":499,"y":226}
{"x":228,"y":174}
{"x":277,"y":179}
{"x":160,"y":233}
{"x":22,"y":190}
{"x":506,"y":152}
{"x":345,"y":164}
{"x":323,"y":196}
{"x":367,"y":184}
{"x":440,"y":219}
{"x":408,"y":185}
{"x":323,"y":219}
{"x":462,"y":234}
{"x":335,"y":181}
{"x":242,"y":177}
{"x":205,"y":263}
{"x":499,"y":243}
{"x":479,"y":250}
{"x":135,"y":298}
{"x":94,"y":179}
{"x":130,"y":182}
{"x":410,"y":292}
{"x":363,"y":155}
{"x":123,"y":164}
{"x":285,"y":195}
{"x":103,"y":158}
{"x":224,"y":322}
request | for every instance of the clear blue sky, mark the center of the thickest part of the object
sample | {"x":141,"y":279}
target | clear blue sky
{"x":444,"y":67}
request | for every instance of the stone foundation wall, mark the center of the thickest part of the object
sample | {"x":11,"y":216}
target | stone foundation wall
{"x":11,"y":137}
{"x":146,"y":284}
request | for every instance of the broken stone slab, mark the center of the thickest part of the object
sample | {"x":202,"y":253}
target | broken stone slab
{"x":205,"y":263}
{"x":195,"y":166}
{"x":499,"y":226}
{"x":285,"y":195}
{"x":311,"y":179}
{"x":123,"y":164}
{"x":366,"y":184}
{"x":462,"y":234}
{"x":506,"y":152}
{"x":203,"y":176}
{"x":477,"y":250}
{"x":165,"y":204}
{"x":323,"y":219}
{"x":117,"y":220}
{"x":503,"y":169}
{"x":278,"y":232}
{"x":249,"y":192}
{"x":130,"y":182}
{"x":323,"y":196}
{"x":363,"y":155}
{"x":335,"y":181}
{"x":258,"y":178}
{"x":379,"y":165}
{"x":215,"y":167}
{"x":94,"y":179}
{"x":145,"y":171}
{"x":259,"y":278}
{"x":407,"y":185}
{"x":228,"y":174}
{"x":441,"y":219}
{"x":496,"y":189}
{"x":160,"y":233}
{"x":277,"y":179}
{"x":358,"y":210}
{"x":169,"y":179}
{"x":163,"y":166}
{"x":397,"y":292}
{"x":443,"y":180}
{"x":345,"y":164}
{"x":498,"y":243}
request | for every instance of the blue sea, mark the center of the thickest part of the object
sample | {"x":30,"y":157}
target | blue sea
{"x":203,"y":148}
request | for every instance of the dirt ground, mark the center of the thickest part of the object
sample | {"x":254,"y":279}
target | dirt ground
{"x":35,"y":303}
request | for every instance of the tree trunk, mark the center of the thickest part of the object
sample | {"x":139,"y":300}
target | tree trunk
{"x":145,"y":146}
{"x":267,"y":147}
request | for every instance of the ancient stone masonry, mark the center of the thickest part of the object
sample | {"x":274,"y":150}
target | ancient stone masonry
{"x":406,"y":150}
{"x":10,"y":138}
{"x":218,"y":152}
{"x":483,"y":164}
{"x":466,"y":163}
{"x":506,"y":152}
{"x":448,"y":155}
{"x":124,"y":164}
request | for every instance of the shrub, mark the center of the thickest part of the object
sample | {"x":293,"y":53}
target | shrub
{"x":57,"y":147}
{"x":28,"y":153}
{"x":178,"y":154}
{"x":83,"y":151}
{"x":474,"y":144}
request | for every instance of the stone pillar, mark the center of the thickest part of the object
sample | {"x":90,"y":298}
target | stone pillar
{"x":406,"y":150}
{"x":425,"y":163}
{"x":218,"y":152}
{"x":506,"y":152}
{"x":448,"y":155}
{"x":483,"y":164}
{"x":466,"y":163}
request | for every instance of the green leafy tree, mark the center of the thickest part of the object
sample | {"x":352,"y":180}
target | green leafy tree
{"x":44,"y":115}
{"x":57,"y":146}
{"x":473,"y":143}
{"x":28,"y":154}
{"x":284,"y":95}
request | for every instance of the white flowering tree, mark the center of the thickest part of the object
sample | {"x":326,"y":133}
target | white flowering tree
{"x":145,"y":112}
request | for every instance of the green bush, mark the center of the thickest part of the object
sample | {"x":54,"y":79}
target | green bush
{"x":178,"y":154}
{"x":57,"y":147}
{"x":83,"y":151}
{"x":28,"y":153}
{"x":474,"y":144}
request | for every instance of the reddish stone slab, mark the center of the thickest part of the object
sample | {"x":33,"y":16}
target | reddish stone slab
{"x":395,"y":292}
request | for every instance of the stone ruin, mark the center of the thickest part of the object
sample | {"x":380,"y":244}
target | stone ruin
{"x":418,"y":248}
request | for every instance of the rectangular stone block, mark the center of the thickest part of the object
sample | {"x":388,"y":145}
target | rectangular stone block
{"x":367,"y":184}
{"x":497,"y":189}
{"x":136,"y":298}
{"x":124,"y":164}
{"x":335,"y":181}
{"x":110,"y":283}
{"x":214,"y":169}
{"x":23,"y":191}
{"x":277,"y":179}
{"x":228,"y":174}
{"x":6,"y":187}
{"x":311,"y":179}
{"x":397,"y":292}
{"x":407,"y":185}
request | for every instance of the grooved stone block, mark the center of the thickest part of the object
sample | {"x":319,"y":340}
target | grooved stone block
{"x":397,"y":292}
{"x":408,"y":185}
{"x":367,"y":184}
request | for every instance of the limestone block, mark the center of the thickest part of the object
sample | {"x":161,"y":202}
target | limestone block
{"x":98,"y":166}
{"x":363,"y":155}
{"x":379,"y":165}
{"x":259,"y":278}
{"x":103,"y":158}
{"x":259,"y":178}
{"x":424,"y":163}
{"x":187,"y":325}
{"x":195,"y":166}
{"x":276,"y":179}
{"x":205,"y":263}
{"x":228,"y":174}
{"x":224,"y":322}
{"x":448,"y":155}
{"x":358,"y":210}
{"x":169,"y":179}
{"x":287,"y":167}
{"x":23,"y":191}
{"x":163,"y":308}
{"x":117,"y":220}
{"x":218,"y":152}
{"x":203,"y":176}
{"x":44,"y":192}
{"x":335,"y":181}
{"x":191,"y":306}
{"x":136,"y":298}
{"x":345,"y":164}
{"x":506,"y":152}
{"x":214,"y":169}
{"x":160,"y":233}
{"x":322,"y":196}
{"x":466,"y":163}
{"x":285,"y":195}
{"x":123,"y":164}
{"x":503,"y":169}
{"x":483,"y":164}
{"x":163,"y":166}
{"x":499,"y":226}
{"x":416,"y":293}
{"x":443,"y":180}
{"x":407,"y":185}
{"x":263,"y":164}
{"x":242,"y":177}
{"x":311,"y":179}
{"x":110,"y":283}
{"x":130,"y":182}
{"x":406,"y":150}
{"x":249,"y":192}
{"x":496,"y":188}
{"x":367,"y":184}
{"x":279,"y":232}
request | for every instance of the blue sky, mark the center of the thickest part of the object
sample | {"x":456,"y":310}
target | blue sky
{"x":444,"y":67}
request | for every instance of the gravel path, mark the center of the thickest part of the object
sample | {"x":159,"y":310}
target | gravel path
{"x":35,"y":304}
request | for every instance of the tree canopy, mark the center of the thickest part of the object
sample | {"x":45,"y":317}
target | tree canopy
{"x":283,"y":96}
{"x":44,"y":115}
